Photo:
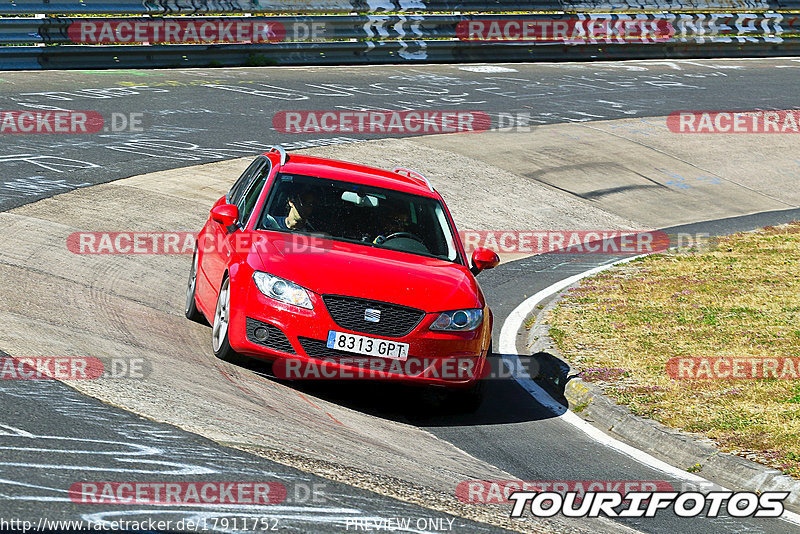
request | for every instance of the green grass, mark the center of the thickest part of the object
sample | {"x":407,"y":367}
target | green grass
{"x":741,"y":299}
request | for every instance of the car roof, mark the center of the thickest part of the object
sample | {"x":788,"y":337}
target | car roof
{"x":352,"y":172}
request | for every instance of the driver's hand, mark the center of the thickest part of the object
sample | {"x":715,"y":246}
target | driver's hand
{"x":379,"y":240}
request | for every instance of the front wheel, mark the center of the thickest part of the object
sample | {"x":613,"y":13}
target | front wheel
{"x":467,"y":400}
{"x":219,"y":331}
{"x":470,"y":399}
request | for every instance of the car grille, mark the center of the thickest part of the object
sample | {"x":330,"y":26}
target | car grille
{"x":395,"y":320}
{"x":276,"y":340}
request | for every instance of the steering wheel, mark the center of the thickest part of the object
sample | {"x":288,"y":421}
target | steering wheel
{"x":404,"y":234}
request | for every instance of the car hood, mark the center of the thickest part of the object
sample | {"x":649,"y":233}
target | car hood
{"x":355,"y":270}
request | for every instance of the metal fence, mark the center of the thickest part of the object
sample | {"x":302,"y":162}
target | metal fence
{"x":145,"y":7}
{"x":174,"y":33}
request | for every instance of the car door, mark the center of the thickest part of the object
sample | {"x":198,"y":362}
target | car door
{"x":219,"y":244}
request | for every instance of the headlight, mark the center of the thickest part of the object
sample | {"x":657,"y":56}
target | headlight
{"x":459,"y":320}
{"x":282,"y":290}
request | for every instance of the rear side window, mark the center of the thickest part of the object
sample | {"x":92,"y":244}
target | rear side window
{"x":237,"y":191}
{"x":250,"y":197}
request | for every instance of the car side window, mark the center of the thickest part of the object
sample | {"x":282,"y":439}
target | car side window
{"x":234,"y":196}
{"x":249,"y":199}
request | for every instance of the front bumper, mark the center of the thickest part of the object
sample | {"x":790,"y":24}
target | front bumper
{"x":296,"y":339}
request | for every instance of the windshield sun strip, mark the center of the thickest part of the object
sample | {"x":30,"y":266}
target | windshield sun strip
{"x":451,"y":239}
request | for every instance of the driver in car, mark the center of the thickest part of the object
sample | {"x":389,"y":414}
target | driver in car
{"x":395,"y":220}
{"x":301,"y":206}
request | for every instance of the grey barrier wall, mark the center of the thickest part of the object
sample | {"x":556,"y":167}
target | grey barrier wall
{"x":72,"y":34}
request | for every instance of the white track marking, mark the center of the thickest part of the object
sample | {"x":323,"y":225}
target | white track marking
{"x":6,"y":430}
{"x":508,"y":349}
{"x":490,"y":69}
{"x":109,"y":518}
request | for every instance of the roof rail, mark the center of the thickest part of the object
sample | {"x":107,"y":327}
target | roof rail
{"x":280,"y":150}
{"x":413,"y":174}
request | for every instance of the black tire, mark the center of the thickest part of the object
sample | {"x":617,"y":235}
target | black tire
{"x":466,"y":400}
{"x":219,"y":330}
{"x":469,"y":400}
{"x":190,"y":309}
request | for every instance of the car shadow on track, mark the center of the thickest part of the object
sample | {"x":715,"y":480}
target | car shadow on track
{"x":505,"y":401}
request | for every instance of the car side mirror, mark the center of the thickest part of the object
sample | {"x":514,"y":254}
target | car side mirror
{"x":225,"y":214}
{"x":484,"y":258}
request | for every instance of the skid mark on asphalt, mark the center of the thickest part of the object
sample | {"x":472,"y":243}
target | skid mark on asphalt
{"x":315,"y":406}
{"x":41,"y":460}
{"x":252,"y":395}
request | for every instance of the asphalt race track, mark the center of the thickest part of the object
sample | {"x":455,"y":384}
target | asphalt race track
{"x":65,"y":437}
{"x":194,"y":118}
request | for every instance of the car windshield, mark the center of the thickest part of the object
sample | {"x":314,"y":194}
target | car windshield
{"x":370,"y":216}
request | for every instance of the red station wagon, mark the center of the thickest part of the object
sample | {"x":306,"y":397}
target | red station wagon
{"x":337,"y":270}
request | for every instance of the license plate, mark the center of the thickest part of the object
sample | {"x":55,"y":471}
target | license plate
{"x":369,"y":346}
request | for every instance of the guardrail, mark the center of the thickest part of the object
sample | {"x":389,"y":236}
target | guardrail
{"x":148,"y":7}
{"x":676,"y":28}
{"x":55,"y":42}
